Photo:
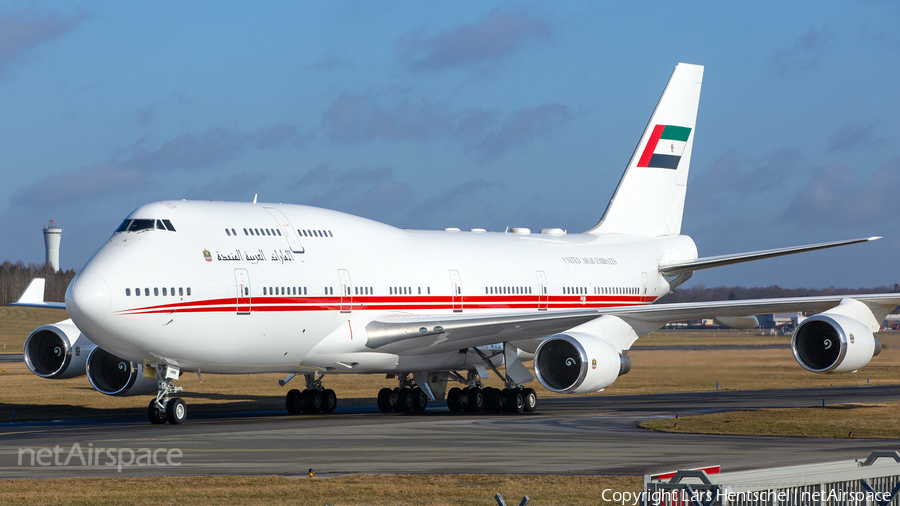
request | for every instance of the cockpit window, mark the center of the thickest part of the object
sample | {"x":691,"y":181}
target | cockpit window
{"x":137,"y":225}
{"x":168,"y":225}
{"x":123,"y":227}
{"x":159,"y":225}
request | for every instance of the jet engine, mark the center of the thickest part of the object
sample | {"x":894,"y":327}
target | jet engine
{"x":577,"y":363}
{"x":112,"y":375}
{"x":828,"y":343}
{"x":58,"y":350}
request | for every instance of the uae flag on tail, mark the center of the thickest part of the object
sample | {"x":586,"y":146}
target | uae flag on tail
{"x":663,"y":150}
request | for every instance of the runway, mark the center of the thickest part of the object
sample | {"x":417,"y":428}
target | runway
{"x":583,"y":435}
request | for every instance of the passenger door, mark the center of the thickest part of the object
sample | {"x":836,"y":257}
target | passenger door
{"x":456,"y":297}
{"x":542,"y":291}
{"x":290,"y":234}
{"x":242,"y":285}
{"x":346,"y":291}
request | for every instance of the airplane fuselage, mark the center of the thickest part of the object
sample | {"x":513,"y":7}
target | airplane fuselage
{"x":290,"y":288}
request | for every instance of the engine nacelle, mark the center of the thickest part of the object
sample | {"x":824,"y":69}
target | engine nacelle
{"x":829,"y":343}
{"x":112,"y":375}
{"x":577,"y":363}
{"x":57,"y":351}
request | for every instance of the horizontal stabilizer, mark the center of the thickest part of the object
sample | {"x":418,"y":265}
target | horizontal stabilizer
{"x":718,"y":261}
{"x":33,"y":296}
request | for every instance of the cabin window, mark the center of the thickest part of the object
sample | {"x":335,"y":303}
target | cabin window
{"x":279,"y":232}
{"x":137,"y":292}
{"x":264,"y":291}
{"x":146,"y":292}
{"x":156,"y":291}
{"x":165,"y":292}
{"x":329,"y":234}
{"x":189,"y":291}
{"x":180,"y":291}
{"x":246,"y":290}
{"x":128,"y":292}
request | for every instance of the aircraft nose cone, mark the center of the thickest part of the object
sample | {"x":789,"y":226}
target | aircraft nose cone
{"x":88,"y":295}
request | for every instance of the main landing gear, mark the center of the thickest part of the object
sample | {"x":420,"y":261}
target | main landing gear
{"x":313,"y":399}
{"x":165,"y":408}
{"x":403,"y":399}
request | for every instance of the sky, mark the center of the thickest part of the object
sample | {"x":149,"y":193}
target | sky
{"x":463,"y":114}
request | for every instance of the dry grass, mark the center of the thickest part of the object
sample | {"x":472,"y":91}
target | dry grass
{"x":17,"y":322}
{"x":431,"y":490}
{"x":655,"y":371}
{"x":868,"y":421}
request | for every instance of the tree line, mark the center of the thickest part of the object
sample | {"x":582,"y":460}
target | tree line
{"x":14,"y":277}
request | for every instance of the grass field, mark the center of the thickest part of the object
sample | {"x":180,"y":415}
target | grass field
{"x":864,"y":421}
{"x":433,"y":490}
{"x":654,"y":371}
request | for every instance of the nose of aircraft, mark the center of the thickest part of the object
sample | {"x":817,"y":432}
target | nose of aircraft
{"x":88,"y":295}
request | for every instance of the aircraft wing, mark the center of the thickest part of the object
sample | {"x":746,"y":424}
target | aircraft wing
{"x":674,"y":269}
{"x":33,"y":296}
{"x":440,"y":333}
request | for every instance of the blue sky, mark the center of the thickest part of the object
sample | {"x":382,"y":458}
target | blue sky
{"x":463,"y":114}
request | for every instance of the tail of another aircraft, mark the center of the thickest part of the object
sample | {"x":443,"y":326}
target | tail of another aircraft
{"x":649,"y":200}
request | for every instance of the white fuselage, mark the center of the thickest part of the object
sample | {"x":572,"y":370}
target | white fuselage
{"x":225,"y":293}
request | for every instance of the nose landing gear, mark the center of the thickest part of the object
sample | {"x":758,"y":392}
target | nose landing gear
{"x":165,"y":408}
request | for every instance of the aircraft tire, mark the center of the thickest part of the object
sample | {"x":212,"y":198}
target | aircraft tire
{"x":156,"y":416}
{"x":453,"y":400}
{"x":420,"y":399}
{"x":384,"y":400}
{"x":176,"y":411}
{"x":404,"y":401}
{"x":293,"y":402}
{"x":476,"y":400}
{"x":329,"y":401}
{"x":530,"y":400}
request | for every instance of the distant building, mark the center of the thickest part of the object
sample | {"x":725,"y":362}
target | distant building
{"x":52,"y":237}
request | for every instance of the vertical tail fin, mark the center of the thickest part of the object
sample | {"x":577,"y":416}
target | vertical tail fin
{"x":649,"y":200}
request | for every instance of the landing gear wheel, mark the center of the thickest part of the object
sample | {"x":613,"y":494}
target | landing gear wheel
{"x":515,"y":401}
{"x":404,"y":401}
{"x":476,"y":400}
{"x":293,"y":402}
{"x":156,"y":415}
{"x":384,"y":400}
{"x":176,"y":411}
{"x":492,"y":400}
{"x":420,"y":399}
{"x":329,"y":401}
{"x":530,"y":400}
{"x":312,"y":402}
{"x":453,"y":400}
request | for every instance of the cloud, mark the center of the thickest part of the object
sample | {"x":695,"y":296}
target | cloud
{"x":240,"y":187}
{"x":497,"y":35}
{"x":360,"y":118}
{"x":212,"y":147}
{"x":832,"y":199}
{"x":487,"y":135}
{"x":78,"y":185}
{"x":131,"y":172}
{"x":732,"y":177}
{"x":21,"y":32}
{"x":804,"y":54}
{"x":519,"y":128}
{"x":851,"y":137}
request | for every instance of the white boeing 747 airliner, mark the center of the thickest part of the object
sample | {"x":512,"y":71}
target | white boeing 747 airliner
{"x":235,"y":288}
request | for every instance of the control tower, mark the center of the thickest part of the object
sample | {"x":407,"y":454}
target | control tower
{"x":52,"y":236}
